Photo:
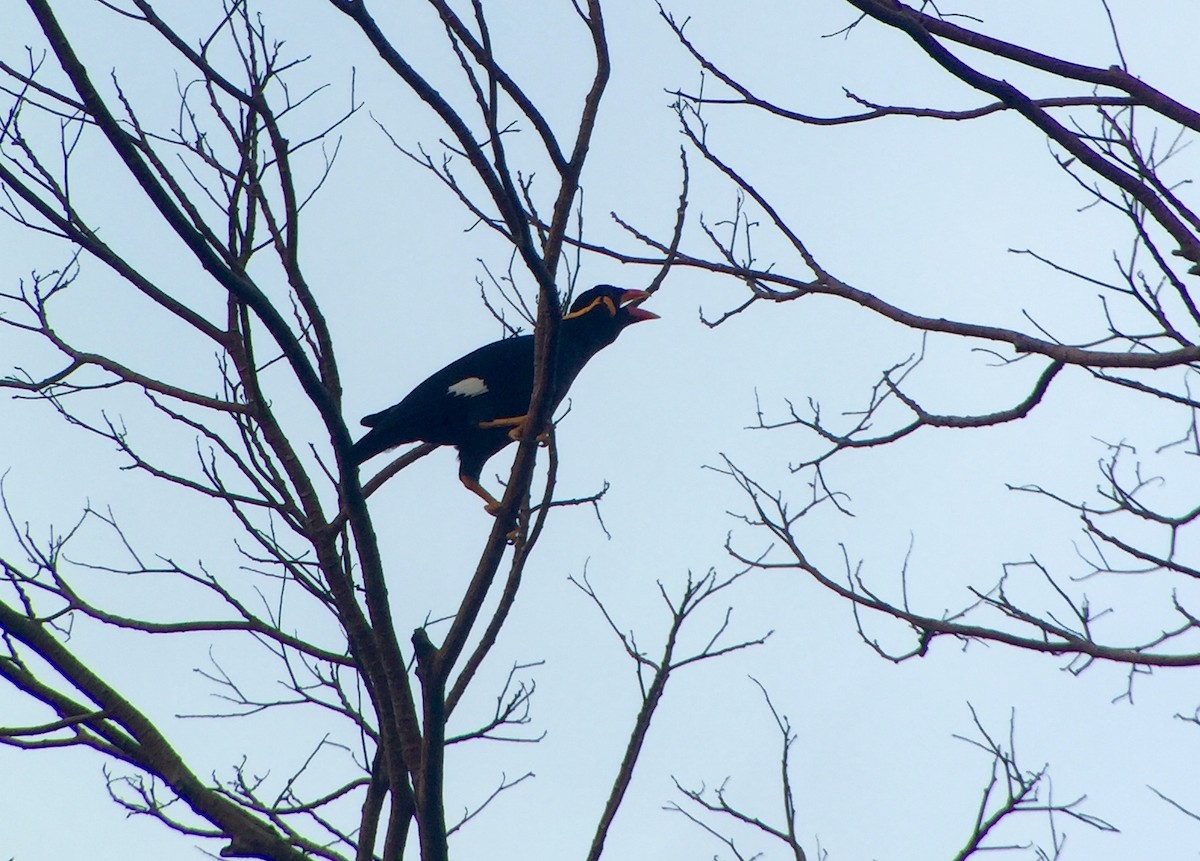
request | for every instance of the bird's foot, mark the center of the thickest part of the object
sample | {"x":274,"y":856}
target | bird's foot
{"x":518,"y":428}
{"x":493,"y":508}
{"x":518,"y":433}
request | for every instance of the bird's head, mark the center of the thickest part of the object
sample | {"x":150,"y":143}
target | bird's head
{"x":612,"y":307}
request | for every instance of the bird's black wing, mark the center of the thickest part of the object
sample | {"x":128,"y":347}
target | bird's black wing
{"x":493,"y":382}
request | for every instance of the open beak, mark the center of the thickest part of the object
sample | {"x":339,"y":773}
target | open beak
{"x":630,"y":300}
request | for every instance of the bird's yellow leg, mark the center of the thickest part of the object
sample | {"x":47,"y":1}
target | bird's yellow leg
{"x":491,"y":504}
{"x":517,"y":423}
{"x":513,"y":421}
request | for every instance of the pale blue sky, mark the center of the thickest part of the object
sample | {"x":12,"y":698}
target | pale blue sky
{"x":919,"y":212}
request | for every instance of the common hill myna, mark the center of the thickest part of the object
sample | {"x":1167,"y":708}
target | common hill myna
{"x":476,"y":402}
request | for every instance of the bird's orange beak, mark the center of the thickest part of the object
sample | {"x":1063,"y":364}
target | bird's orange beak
{"x":630,"y":300}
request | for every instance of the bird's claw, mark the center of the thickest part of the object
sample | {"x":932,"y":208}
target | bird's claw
{"x":518,"y":433}
{"x":493,"y":508}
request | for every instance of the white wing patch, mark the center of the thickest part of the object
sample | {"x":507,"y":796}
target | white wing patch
{"x":470,"y":387}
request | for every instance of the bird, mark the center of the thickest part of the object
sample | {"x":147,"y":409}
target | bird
{"x":479,"y":403}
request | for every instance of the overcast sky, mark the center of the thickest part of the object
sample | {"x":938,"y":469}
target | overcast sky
{"x":921,"y":213}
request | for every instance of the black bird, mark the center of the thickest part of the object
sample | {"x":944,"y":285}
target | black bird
{"x":476,"y":403}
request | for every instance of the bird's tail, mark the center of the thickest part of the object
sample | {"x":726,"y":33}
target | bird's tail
{"x":372,"y":443}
